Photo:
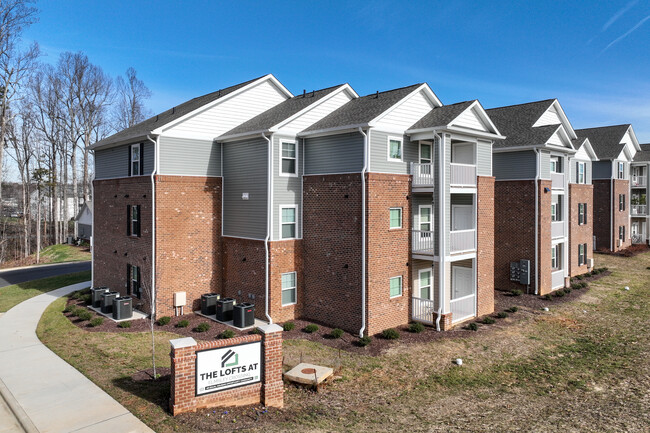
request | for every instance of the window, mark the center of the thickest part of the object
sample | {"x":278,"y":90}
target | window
{"x":556,"y":211}
{"x":135,"y":160}
{"x":288,"y":288}
{"x":287,"y":222}
{"x":553,"y":258}
{"x":621,"y":202}
{"x":425,"y":283}
{"x":621,"y":170}
{"x":556,"y":257}
{"x":425,"y":218}
{"x":394,"y":149}
{"x":396,"y":218}
{"x":395,"y":287}
{"x":582,"y":213}
{"x":582,"y":254}
{"x":580,"y":173}
{"x":555,"y":165}
{"x":133,"y":284}
{"x":425,"y":153}
{"x":133,"y":220}
{"x":289,"y":165}
{"x":621,"y":233}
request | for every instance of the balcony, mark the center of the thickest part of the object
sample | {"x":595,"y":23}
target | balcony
{"x":639,"y":209}
{"x":557,"y":229}
{"x":463,"y":174}
{"x":557,"y":180}
{"x":639,"y":238}
{"x":423,"y":310}
{"x":462,"y":240}
{"x":422,"y":242}
{"x":557,"y":279}
{"x":463,"y":308}
{"x":639,"y":181}
{"x":422,"y":174}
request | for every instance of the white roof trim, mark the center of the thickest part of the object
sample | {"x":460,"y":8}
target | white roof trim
{"x":563,"y":135}
{"x":427,"y":91}
{"x":635,"y":141}
{"x":589,"y":149}
{"x":334,"y":130}
{"x":483,"y":116}
{"x":565,"y":120}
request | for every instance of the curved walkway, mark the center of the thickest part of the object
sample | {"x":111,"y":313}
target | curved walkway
{"x":45,"y":393}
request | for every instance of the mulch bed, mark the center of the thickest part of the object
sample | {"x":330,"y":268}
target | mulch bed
{"x":631,"y":251}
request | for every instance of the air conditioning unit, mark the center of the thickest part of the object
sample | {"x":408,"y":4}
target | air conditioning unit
{"x":590,"y":263}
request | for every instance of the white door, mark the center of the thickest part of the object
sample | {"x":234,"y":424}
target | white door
{"x":635,"y":228}
{"x":462,"y":217}
{"x":462,"y":279}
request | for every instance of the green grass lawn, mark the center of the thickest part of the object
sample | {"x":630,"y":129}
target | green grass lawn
{"x":17,"y":293}
{"x":64,"y":253}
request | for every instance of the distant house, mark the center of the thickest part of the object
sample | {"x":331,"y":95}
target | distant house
{"x":84,"y":221}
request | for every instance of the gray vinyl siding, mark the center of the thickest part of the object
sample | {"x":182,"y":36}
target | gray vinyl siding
{"x":342,"y":153}
{"x":514,"y":165}
{"x":602,"y":169}
{"x":189,"y":157}
{"x":379,"y":154}
{"x":84,"y":231}
{"x":484,"y":158}
{"x":574,"y":171}
{"x":114,"y":162}
{"x":245,"y":167}
{"x":544,"y":165}
{"x":286,"y":190}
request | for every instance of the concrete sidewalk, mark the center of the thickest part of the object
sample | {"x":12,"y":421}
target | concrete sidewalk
{"x":44,"y":392}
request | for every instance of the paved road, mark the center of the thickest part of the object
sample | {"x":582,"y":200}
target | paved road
{"x":16,"y":276}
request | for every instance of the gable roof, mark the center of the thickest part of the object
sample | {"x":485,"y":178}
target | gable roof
{"x":88,"y":204}
{"x":644,"y":154}
{"x":361,"y":111}
{"x":275,"y":115}
{"x":440,"y":116}
{"x":144,"y":128}
{"x":579,"y":142}
{"x":606,"y":140}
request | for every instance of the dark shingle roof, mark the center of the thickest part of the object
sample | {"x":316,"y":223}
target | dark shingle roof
{"x":362,"y":110}
{"x":643,"y":154}
{"x":578,"y":142}
{"x":280,"y":112}
{"x":516,"y":123}
{"x":145,"y":127}
{"x":440,"y":116}
{"x":606,"y":140}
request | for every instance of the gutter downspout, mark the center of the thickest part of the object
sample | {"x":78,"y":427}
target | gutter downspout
{"x":441,"y":227}
{"x":153,"y":225}
{"x":92,"y":231}
{"x":612,"y":238}
{"x":537,"y":179}
{"x":363,"y":232}
{"x":269,"y":210}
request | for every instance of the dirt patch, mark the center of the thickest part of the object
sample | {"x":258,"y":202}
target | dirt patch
{"x":163,"y":374}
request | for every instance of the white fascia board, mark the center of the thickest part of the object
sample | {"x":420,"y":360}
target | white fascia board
{"x":564,"y":135}
{"x":484,"y":117}
{"x":565,"y":120}
{"x":428,"y":133}
{"x":625,"y":155}
{"x":334,"y":130}
{"x":427,"y":91}
{"x":590,"y":150}
{"x":517,"y":148}
{"x":218,"y":101}
{"x":635,"y":141}
{"x":133,"y":140}
{"x":240,"y":136}
{"x":475,"y":133}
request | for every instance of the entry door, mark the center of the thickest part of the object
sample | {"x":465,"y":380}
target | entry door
{"x":462,"y":217}
{"x":461,"y":282}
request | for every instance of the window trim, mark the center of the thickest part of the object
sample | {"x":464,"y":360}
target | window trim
{"x":401,"y":218}
{"x":621,"y":202}
{"x":294,"y":288}
{"x":139,"y":160}
{"x":132,"y":284}
{"x":555,"y":258}
{"x":401,"y":287}
{"x":295,"y":158}
{"x":430,"y":286}
{"x":295,"y":223}
{"x":425,"y":206}
{"x":425,"y":143}
{"x":582,"y":254}
{"x":620,"y":173}
{"x":401,"y":147}
{"x":135,"y":224}
{"x":583,"y":166}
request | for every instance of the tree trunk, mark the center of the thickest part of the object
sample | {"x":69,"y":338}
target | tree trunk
{"x":38,"y":227}
{"x":75,"y":193}
{"x":86,"y":176}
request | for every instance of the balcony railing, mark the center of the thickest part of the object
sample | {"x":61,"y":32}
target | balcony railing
{"x":423,"y":310}
{"x":557,"y":180}
{"x":557,"y":279}
{"x":462,"y":308}
{"x":639,"y":181}
{"x":462,"y":240}
{"x":423,"y":242}
{"x":639,"y":238}
{"x":639,"y":209}
{"x":557,"y":229}
{"x":463,"y":174}
{"x":422,"y":174}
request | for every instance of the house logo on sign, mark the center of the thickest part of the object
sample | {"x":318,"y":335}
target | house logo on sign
{"x":228,"y":367}
{"x":226,"y":356}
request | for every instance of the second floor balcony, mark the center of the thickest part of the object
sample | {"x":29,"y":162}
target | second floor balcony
{"x":638,"y":181}
{"x":557,"y":180}
{"x":460,"y":175}
{"x":639,"y":209}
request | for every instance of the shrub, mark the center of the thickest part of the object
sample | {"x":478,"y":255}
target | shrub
{"x":567,"y":290}
{"x":364,"y":341}
{"x":502,"y":315}
{"x":473,"y":326}
{"x":164,"y":320}
{"x":595,"y":272}
{"x":228,"y":333}
{"x":488,"y":320}
{"x":516,"y":292}
{"x":559,"y":293}
{"x":97,"y":321}
{"x":203,"y":326}
{"x":336,"y":333}
{"x":83,"y":314}
{"x":547,"y":296}
{"x":390,"y":334}
{"x":70,"y":308}
{"x":513,"y":309}
{"x":87,"y":299}
{"x":288,"y":326}
{"x":183,"y":324}
{"x":416,"y":327}
{"x":578,"y":277}
{"x":255,"y":331}
{"x":311,"y":328}
{"x":576,"y":286}
{"x":583,"y":285}
{"x":75,"y":295}
{"x":124,"y":325}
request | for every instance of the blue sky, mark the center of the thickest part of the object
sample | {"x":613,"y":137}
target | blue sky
{"x":593,"y":56}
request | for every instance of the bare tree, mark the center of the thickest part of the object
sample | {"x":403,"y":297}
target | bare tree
{"x":131,"y":94}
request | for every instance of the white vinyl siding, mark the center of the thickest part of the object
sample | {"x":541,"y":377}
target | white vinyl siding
{"x":550,"y":117}
{"x":395,"y":284}
{"x":469,"y":119}
{"x":406,"y":114}
{"x":396,"y":218}
{"x":288,"y":288}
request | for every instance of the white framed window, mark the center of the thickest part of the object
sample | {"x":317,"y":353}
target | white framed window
{"x":582,"y":254}
{"x":426,"y":222}
{"x":621,"y":170}
{"x":288,"y":158}
{"x":556,"y":166}
{"x":555,"y":257}
{"x":135,"y":158}
{"x":396,"y":218}
{"x":288,"y":288}
{"x":580,"y":175}
{"x":556,"y":211}
{"x":426,"y":156}
{"x":582,"y":213}
{"x":425,"y":283}
{"x":288,"y":221}
{"x":395,"y":149}
{"x":621,"y":202}
{"x":396,"y":287}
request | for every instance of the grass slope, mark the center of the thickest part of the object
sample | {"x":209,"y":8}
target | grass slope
{"x":64,"y":253}
{"x":17,"y":293}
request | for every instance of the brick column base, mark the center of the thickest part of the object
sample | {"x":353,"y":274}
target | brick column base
{"x":273,"y":385}
{"x":445,"y":322}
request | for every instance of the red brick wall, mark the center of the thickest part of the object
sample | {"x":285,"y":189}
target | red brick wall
{"x":332,"y":250}
{"x":188,"y":239}
{"x":485,"y":247}
{"x":243,"y":272}
{"x":544,"y":224}
{"x":388,"y":251}
{"x":580,"y":234}
{"x":602,"y":213}
{"x":113,"y":249}
{"x":621,"y":218}
{"x":286,"y":256}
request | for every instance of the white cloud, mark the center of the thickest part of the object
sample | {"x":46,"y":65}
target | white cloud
{"x":626,"y":34}
{"x":619,"y":14}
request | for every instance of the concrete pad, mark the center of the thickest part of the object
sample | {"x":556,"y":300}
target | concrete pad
{"x":308,"y":374}
{"x":256,"y":324}
{"x":136,"y":314}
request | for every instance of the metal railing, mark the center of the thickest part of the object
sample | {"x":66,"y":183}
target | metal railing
{"x":639,"y":238}
{"x":557,"y":229}
{"x":462,"y":308}
{"x":462,"y":240}
{"x":557,"y":180}
{"x":422,"y":174}
{"x":557,"y":279}
{"x":639,"y":180}
{"x":423,"y":310}
{"x":422,"y":242}
{"x":639,"y":209}
{"x":462,"y":174}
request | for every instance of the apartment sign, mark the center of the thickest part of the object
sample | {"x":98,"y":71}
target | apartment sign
{"x":228,"y":367}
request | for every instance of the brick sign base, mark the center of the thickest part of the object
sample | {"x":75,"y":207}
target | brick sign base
{"x":269,"y":391}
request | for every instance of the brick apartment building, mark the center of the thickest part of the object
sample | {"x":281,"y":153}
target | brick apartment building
{"x":615,"y":147}
{"x":639,"y":189}
{"x":543,"y":197}
{"x":362,"y":213}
